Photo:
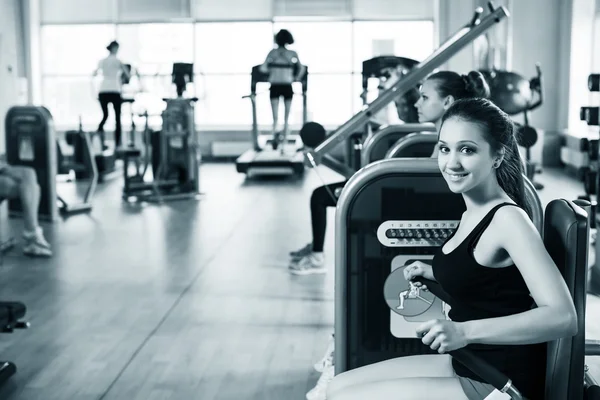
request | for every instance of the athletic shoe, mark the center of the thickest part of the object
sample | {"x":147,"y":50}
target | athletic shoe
{"x":327,"y":359}
{"x":314,"y":263}
{"x":319,"y":392}
{"x":304,"y":251}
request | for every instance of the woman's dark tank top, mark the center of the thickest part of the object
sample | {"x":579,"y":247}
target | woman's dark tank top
{"x":480,"y":292}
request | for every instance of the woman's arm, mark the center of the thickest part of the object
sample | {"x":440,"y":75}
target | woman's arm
{"x":301,"y":69}
{"x":555,"y":315}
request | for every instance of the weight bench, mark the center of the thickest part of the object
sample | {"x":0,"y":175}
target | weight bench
{"x":11,"y":314}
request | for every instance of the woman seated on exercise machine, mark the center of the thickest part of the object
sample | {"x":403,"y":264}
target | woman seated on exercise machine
{"x":437,"y":94}
{"x":509,"y":297}
{"x":17,"y":182}
{"x":284,"y":68}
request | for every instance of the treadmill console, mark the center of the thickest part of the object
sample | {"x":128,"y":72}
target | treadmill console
{"x":415,"y":233}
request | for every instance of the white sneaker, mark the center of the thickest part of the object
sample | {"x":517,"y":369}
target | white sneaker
{"x":303,"y":252}
{"x":327,"y":359}
{"x":314,"y":263}
{"x":319,"y":392}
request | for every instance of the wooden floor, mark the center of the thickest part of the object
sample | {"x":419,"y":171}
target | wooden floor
{"x":188,"y":300}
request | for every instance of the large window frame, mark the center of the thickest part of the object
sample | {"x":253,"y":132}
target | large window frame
{"x":207,"y":116}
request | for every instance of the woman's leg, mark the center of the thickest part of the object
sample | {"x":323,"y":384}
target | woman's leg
{"x":275,"y":111}
{"x":287,"y":106}
{"x":27,"y":189}
{"x":21,"y":182}
{"x":310,"y":260}
{"x":319,"y":201}
{"x":422,"y":366}
{"x":406,"y":389}
{"x":117,"y":102}
{"x":104,"y":105}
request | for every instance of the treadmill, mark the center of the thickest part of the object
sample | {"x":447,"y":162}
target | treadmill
{"x":263,"y":158}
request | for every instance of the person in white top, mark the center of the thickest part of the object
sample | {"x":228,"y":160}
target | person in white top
{"x":114,"y":73}
{"x":284,"y":68}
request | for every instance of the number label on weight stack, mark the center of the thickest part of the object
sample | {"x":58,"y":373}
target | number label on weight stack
{"x":415,"y":233}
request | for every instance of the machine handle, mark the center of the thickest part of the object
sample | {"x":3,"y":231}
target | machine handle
{"x":536,"y":86}
{"x":475,"y":20}
{"x":485,"y":371}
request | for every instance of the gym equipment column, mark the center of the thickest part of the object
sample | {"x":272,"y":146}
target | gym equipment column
{"x":590,"y":177}
{"x":31,"y":142}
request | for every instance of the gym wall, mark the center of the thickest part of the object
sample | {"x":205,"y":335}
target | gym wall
{"x":12,"y":58}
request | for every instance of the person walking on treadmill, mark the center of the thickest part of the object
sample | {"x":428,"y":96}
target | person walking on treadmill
{"x":284,"y":68}
{"x":113,"y":71}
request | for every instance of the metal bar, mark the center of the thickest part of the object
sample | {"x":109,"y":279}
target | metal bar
{"x":446,"y":51}
{"x":91,"y":161}
{"x":382,"y":134}
{"x":592,"y":347}
{"x":409,"y":140}
{"x":337,"y":166}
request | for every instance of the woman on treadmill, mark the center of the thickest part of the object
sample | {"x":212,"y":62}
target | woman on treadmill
{"x":284,"y":68}
{"x":508,"y":297}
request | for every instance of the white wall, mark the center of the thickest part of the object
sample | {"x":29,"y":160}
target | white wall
{"x":11,"y":58}
{"x":453,"y":15}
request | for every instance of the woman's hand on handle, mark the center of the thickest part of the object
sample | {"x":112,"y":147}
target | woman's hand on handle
{"x":418,"y":268}
{"x":442,"y":335}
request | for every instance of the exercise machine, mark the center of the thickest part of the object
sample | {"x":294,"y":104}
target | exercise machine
{"x":591,"y":116}
{"x":591,"y":146}
{"x":381,"y":142}
{"x":104,"y":160}
{"x":175,"y":151}
{"x":374,"y":243}
{"x":380,"y":68}
{"x":469,"y":32}
{"x":31,"y":142}
{"x":264,"y":158}
{"x":418,"y":145}
{"x":514,"y":94}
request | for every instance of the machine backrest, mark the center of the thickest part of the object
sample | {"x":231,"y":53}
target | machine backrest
{"x":422,"y":145}
{"x":566,"y":240}
{"x":414,"y":145}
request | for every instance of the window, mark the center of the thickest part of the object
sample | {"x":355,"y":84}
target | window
{"x":357,"y":89}
{"x":223,"y":54}
{"x":410,"y":39}
{"x":232,"y":48}
{"x":153,"y":48}
{"x":68,"y":98}
{"x":329,"y":97}
{"x":74,"y":49}
{"x":324,"y":47}
{"x":221,"y":104}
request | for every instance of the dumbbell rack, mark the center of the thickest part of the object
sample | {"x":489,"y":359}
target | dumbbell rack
{"x":592,"y":171}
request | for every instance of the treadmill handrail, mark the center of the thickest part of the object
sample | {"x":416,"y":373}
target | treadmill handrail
{"x":447,"y":50}
{"x":409,"y":140}
{"x":382,"y":134}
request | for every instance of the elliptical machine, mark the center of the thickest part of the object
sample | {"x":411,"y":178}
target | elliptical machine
{"x":514,"y":95}
{"x":175,"y":150}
